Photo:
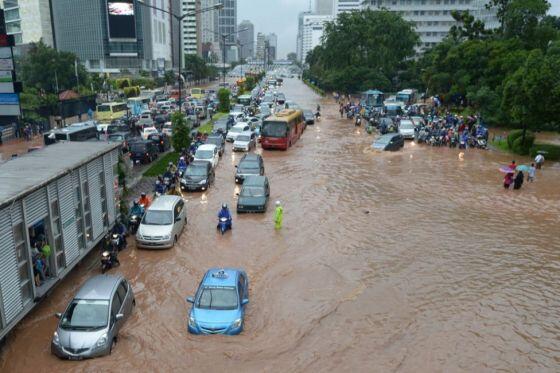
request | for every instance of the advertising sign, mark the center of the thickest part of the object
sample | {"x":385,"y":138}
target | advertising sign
{"x":6,"y":64}
{"x":121,"y":19}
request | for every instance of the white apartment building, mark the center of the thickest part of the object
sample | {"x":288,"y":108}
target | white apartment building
{"x":341,"y":6}
{"x":324,"y":7}
{"x":209,"y":30}
{"x":160,"y":38}
{"x":261,"y":45}
{"x":28,"y":20}
{"x":299,"y":41}
{"x":190,"y":28}
{"x":312,"y":31}
{"x":433,"y":17}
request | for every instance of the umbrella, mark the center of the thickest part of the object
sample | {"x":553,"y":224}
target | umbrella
{"x":542,"y":152}
{"x":523,"y":167}
{"x":506,"y":170}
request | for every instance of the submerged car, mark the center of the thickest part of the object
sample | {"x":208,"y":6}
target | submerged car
{"x":90,"y":325}
{"x":245,"y":142}
{"x":250,"y":164}
{"x":198,"y":176}
{"x":406,"y":128}
{"x":309,"y":117}
{"x":254,"y":194}
{"x":390,"y":142}
{"x":218,"y":306}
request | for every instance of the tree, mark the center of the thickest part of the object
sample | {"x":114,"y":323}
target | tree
{"x":468,"y":27}
{"x":196,"y":66}
{"x":169,"y":77}
{"x":181,"y":138}
{"x":223,"y":98}
{"x":42,"y":67}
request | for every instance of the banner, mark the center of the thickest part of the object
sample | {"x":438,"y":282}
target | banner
{"x":121,"y":19}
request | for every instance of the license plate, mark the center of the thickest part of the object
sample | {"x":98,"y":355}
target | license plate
{"x":74,"y":358}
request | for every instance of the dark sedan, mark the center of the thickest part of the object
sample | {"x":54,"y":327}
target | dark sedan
{"x":309,"y":117}
{"x":254,"y":194}
{"x":389,"y":142}
{"x":161,"y":141}
{"x":217,"y":140}
{"x":198,"y":176}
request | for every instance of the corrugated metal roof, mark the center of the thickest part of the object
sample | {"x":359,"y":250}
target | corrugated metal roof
{"x":25,"y":174}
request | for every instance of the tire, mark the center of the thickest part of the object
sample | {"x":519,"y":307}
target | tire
{"x":113,"y":344}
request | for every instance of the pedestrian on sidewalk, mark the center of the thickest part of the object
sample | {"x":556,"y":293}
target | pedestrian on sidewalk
{"x":278,"y":217}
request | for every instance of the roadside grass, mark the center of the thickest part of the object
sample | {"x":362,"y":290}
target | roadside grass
{"x":160,"y":165}
{"x":501,"y":144}
{"x":208,"y":127}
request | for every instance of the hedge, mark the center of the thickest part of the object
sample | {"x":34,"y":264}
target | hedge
{"x":523,"y":148}
{"x":550,"y":151}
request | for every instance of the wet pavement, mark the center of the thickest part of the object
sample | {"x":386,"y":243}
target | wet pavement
{"x":412,"y":261}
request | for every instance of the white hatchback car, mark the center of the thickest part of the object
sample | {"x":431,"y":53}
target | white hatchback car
{"x":237,"y":130}
{"x":245,"y":142}
{"x":208,"y":153}
{"x":167,"y":129}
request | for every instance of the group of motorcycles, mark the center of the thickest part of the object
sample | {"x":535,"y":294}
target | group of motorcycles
{"x":443,"y":137}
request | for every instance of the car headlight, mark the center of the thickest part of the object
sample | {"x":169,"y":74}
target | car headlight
{"x":192,"y":322}
{"x":203,"y":182}
{"x":166,"y":237}
{"x":102,"y":341}
{"x":55,"y":339}
{"x":237,"y":323}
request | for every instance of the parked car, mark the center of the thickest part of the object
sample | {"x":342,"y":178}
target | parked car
{"x":390,"y":142}
{"x":90,"y":324}
{"x":406,"y":128}
{"x":309,"y":117}
{"x":207,"y":153}
{"x":250,"y":164}
{"x":237,"y":130}
{"x":143,"y":151}
{"x":198,"y":176}
{"x":245,"y":142}
{"x":219,"y":141}
{"x":254,"y":194}
{"x":161,"y":141}
{"x":162,"y":224}
{"x":218,"y":306}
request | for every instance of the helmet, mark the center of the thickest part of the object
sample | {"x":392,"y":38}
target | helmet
{"x":224,"y":205}
{"x":170,"y":163}
{"x":143,"y":194}
{"x":277,"y":203}
{"x":182,"y":158}
{"x":157,"y":182}
{"x":135,"y":203}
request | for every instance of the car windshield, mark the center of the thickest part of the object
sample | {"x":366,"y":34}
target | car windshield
{"x":196,"y":171}
{"x":204,"y":154}
{"x":407,"y":126}
{"x":252,"y":192}
{"x":249,"y":167}
{"x":236,"y":129}
{"x":116,"y":138}
{"x":85,"y":315}
{"x":243,"y":138}
{"x":138,"y":148}
{"x":383,"y":140}
{"x":274,"y":129}
{"x":218,"y":298}
{"x":154,"y":217}
{"x":214,"y":141}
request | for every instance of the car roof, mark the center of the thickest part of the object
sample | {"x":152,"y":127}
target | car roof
{"x":254,"y":180}
{"x":99,"y":287}
{"x":387,"y":136}
{"x":221,"y":277}
{"x":241,"y":124}
{"x":246,"y":133}
{"x":251,"y":157}
{"x":200,"y":164}
{"x":206,"y":147}
{"x":164,"y":203}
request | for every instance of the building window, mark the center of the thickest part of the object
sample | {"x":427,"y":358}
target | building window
{"x":23,"y":263}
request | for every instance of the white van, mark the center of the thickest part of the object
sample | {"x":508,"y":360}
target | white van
{"x":162,"y":223}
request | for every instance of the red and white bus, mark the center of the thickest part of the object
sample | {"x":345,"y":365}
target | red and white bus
{"x":282,"y":130}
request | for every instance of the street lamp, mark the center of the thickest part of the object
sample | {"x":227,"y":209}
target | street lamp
{"x":179,"y":20}
{"x":224,"y":37}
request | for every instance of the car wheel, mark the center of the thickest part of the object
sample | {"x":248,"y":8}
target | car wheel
{"x":174,"y":240}
{"x":113,"y":344}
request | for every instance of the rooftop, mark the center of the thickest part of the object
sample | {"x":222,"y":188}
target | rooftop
{"x":27,"y":173}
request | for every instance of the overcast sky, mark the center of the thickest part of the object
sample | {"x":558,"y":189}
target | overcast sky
{"x":280,"y":17}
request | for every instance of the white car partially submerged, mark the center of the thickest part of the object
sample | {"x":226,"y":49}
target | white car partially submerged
{"x":147,"y":131}
{"x":208,"y":153}
{"x":244,"y":142}
{"x":406,"y":128}
{"x":236,"y":130}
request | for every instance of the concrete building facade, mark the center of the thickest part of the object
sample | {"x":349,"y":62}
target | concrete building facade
{"x":313,"y":27}
{"x":29,"y":21}
{"x":324,"y":7}
{"x":341,"y":6}
{"x":246,"y":40}
{"x":272,"y":40}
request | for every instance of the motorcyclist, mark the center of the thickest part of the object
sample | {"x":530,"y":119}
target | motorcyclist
{"x":120,"y":230}
{"x":144,"y":201}
{"x":136,"y":209}
{"x":171,"y":168}
{"x":224,"y":213}
{"x":160,"y":187}
{"x":182,"y":164}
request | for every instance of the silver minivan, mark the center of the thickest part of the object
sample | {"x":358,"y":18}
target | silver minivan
{"x":162,"y":223}
{"x":90,"y":325}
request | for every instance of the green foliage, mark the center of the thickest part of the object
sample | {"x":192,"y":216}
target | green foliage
{"x":249,"y":84}
{"x":42,"y":66}
{"x":512,"y":136}
{"x":197,"y":68}
{"x":169,"y":77}
{"x":551,"y":151}
{"x":160,"y":166}
{"x":123,"y":83}
{"x":361,"y":50}
{"x":181,"y":138}
{"x":132,"y":91}
{"x":224,"y":104}
{"x":523,"y":146}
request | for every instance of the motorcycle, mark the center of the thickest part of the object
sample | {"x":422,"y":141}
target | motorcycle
{"x":453,"y":142}
{"x":317,"y":116}
{"x":358,"y":121}
{"x":224,"y":224}
{"x":108,"y":261}
{"x":481,"y":143}
{"x":133,"y":223}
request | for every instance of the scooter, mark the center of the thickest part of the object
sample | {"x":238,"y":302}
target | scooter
{"x":109,"y":260}
{"x":133,"y":223}
{"x":224,"y":224}
{"x":358,"y":121}
{"x":317,"y":116}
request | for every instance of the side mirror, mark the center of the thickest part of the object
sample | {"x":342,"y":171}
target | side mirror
{"x":244,"y":301}
{"x":236,"y":194}
{"x":58,"y":315}
{"x":235,"y":166}
{"x":119,"y":316}
{"x":190,"y":300}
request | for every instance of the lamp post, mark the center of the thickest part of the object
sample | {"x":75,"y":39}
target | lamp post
{"x":179,"y":21}
{"x":224,"y":37}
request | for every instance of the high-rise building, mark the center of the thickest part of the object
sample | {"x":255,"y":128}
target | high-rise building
{"x":29,"y":21}
{"x":313,"y":27}
{"x":246,"y":40}
{"x":209,"y":32}
{"x":341,"y":6}
{"x":324,"y":7}
{"x":272,"y":41}
{"x":227,"y":24}
{"x":433,"y":17}
{"x":299,"y":43}
{"x":261,"y":45}
{"x":175,"y":31}
{"x":112,"y":36}
{"x":190,"y":28}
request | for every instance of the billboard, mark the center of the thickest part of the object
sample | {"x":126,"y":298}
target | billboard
{"x":9,"y":104}
{"x":121,"y":19}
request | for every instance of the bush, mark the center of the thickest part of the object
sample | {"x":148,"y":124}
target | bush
{"x":523,"y":148}
{"x":223,"y":96}
{"x":551,"y":151}
{"x":123,"y":83}
{"x":512,"y":136}
{"x":131,"y":91}
{"x":181,"y":138}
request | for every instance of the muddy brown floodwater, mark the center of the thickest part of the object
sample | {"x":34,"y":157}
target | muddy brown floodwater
{"x":412,"y":261}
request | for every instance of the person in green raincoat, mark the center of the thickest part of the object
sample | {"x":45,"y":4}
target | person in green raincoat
{"x":279,"y":215}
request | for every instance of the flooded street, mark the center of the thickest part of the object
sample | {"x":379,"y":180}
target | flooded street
{"x":412,"y":261}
